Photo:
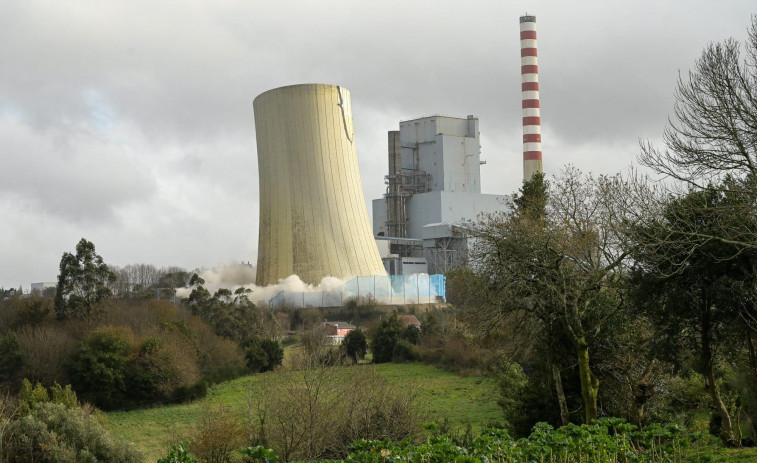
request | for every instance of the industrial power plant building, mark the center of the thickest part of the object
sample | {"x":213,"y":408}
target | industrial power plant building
{"x":434,"y":182}
{"x":433,"y":189}
{"x":313,"y":220}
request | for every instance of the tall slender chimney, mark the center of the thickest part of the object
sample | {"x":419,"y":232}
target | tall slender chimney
{"x":529,"y":72}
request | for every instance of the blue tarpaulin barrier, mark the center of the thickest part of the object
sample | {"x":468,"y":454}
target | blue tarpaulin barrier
{"x":395,"y":289}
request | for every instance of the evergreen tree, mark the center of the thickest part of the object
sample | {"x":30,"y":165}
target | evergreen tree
{"x":82,"y":283}
{"x":384,"y":339}
{"x":11,"y":357}
{"x":700,"y":296}
{"x":355,"y":345}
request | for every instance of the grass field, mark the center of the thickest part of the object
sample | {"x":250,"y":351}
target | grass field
{"x":444,"y":396}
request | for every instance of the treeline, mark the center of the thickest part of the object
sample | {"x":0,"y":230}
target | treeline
{"x":591,"y":312}
{"x":124,"y":353}
{"x":618,"y":296}
{"x":6,"y":294}
{"x":148,"y":281}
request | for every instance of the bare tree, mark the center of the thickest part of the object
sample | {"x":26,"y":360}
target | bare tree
{"x":45,"y":350}
{"x":8,"y":413}
{"x":318,"y":411}
{"x":714,"y":131}
{"x":713,"y":134}
{"x":218,"y":433}
{"x":710,"y":154}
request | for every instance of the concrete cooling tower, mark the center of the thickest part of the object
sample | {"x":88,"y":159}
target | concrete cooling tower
{"x":313,"y":219}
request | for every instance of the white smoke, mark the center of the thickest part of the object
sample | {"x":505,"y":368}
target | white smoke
{"x":293,"y":283}
{"x":234,"y":276}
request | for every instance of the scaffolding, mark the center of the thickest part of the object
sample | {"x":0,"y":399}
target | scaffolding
{"x":401,"y":184}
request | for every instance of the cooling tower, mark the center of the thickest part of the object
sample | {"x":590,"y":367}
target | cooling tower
{"x":313,"y":219}
{"x":529,"y":70}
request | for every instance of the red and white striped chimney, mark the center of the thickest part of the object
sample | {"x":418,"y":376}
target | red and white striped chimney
{"x":529,"y":72}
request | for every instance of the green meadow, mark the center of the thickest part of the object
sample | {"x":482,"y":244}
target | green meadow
{"x":458,"y":401}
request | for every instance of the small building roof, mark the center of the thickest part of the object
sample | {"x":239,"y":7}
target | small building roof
{"x":340,"y":325}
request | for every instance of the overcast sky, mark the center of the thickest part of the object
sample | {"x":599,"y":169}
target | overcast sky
{"x":130,"y":123}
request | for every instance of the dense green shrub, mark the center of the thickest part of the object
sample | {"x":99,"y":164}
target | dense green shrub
{"x":384,"y":339}
{"x":412,"y":333}
{"x":257,"y":359}
{"x":355,"y":345}
{"x":153,"y":375}
{"x":190,"y":393}
{"x":114,"y":369}
{"x":224,"y":373}
{"x":404,"y":351}
{"x":11,"y":358}
{"x":141,"y":352}
{"x":100,"y":368}
{"x":514,"y":388}
{"x":607,"y":440}
{"x":262,"y":354}
{"x":30,"y":396}
{"x":274,"y":353}
{"x":53,"y":432}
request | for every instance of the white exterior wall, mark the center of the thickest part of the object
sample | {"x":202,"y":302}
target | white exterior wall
{"x":39,"y":288}
{"x":448,"y":148}
{"x":447,"y":207}
{"x":423,"y":209}
{"x":461,"y":164}
{"x":413,"y":265}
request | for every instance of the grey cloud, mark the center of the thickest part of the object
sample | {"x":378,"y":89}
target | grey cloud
{"x":78,"y":176}
{"x":131,"y":123}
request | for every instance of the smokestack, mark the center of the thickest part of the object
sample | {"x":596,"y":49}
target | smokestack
{"x":529,"y":72}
